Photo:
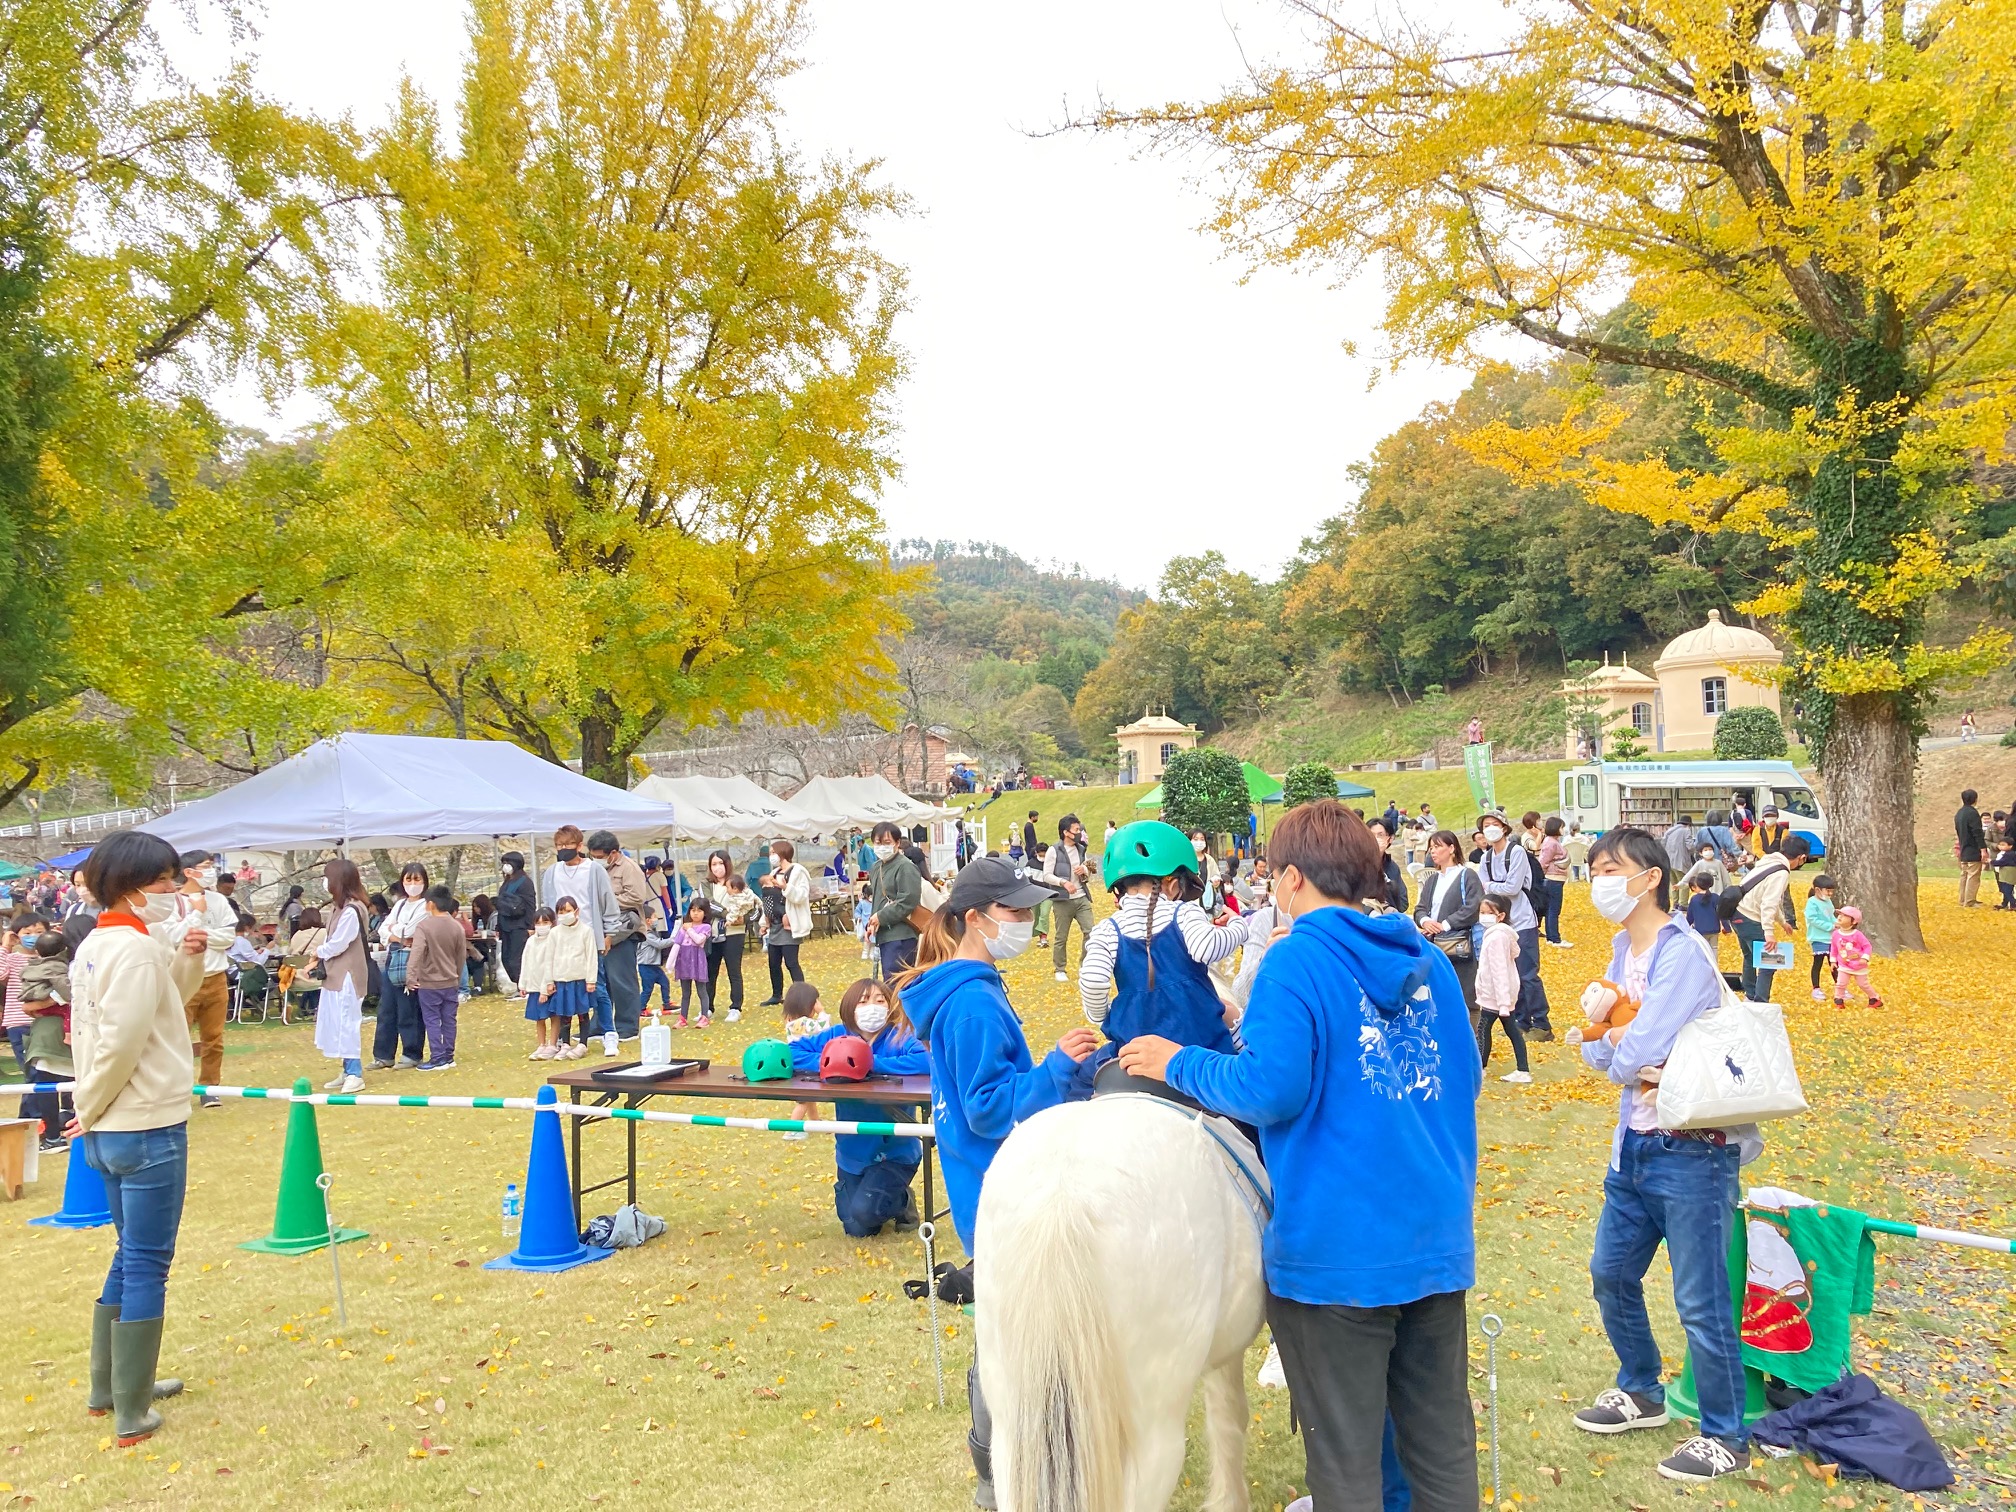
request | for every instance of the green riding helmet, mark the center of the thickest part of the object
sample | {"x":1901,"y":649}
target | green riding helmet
{"x":767,"y":1060}
{"x":1147,"y":848}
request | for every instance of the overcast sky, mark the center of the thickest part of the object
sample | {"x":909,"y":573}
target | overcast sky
{"x":1092,"y":379}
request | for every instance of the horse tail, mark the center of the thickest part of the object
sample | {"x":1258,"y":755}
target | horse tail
{"x":1063,"y":1438}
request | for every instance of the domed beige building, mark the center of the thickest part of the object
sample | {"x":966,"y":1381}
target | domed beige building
{"x":1696,"y":680}
{"x":1147,"y":744}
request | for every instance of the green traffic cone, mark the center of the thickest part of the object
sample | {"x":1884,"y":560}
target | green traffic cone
{"x":1681,"y":1398}
{"x":300,"y":1217}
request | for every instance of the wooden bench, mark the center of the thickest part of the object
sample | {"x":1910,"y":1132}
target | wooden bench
{"x":15,"y":1134}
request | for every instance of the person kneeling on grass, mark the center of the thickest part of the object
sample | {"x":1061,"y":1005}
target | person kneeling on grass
{"x":1360,"y":1071}
{"x":871,"y":1185}
{"x":1679,"y":1187}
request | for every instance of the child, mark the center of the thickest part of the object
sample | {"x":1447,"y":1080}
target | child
{"x":2005,"y":871}
{"x":568,"y":979}
{"x":863,"y":912}
{"x":1158,"y":976}
{"x":1702,"y":917}
{"x":1851,"y":951}
{"x":1498,"y":983}
{"x":1819,"y":930}
{"x":689,"y":961}
{"x":535,"y":982}
{"x":803,"y":1019}
{"x":45,"y":998}
{"x":652,"y":947}
{"x":1041,"y":867}
{"x":434,"y":975}
{"x":871,"y":1183}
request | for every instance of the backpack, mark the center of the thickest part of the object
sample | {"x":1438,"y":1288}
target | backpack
{"x":1536,"y":885}
{"x":1731,"y":897}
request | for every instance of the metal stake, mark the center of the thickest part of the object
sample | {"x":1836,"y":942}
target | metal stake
{"x":325,"y":1181}
{"x":927,"y":1231}
{"x":1493,"y":1326}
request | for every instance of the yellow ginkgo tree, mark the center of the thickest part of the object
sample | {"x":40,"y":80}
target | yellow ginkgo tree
{"x":1808,"y":204}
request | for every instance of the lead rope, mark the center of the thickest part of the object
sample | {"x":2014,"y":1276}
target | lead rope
{"x":927,"y":1231}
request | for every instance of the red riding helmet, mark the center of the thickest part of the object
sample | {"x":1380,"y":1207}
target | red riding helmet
{"x":846,"y":1059}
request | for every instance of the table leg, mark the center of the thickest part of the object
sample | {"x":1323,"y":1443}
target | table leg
{"x":574,"y":1136}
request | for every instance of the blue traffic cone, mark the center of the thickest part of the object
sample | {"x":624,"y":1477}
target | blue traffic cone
{"x":546,"y":1237}
{"x":84,"y":1203}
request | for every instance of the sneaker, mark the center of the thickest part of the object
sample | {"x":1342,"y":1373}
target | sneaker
{"x":1519,"y":1078}
{"x":1618,"y":1411}
{"x":1063,"y":976}
{"x":610,"y":1044}
{"x":352,"y":1084}
{"x":211,"y":1102}
{"x":1875,"y":1002}
{"x":706,"y":1022}
{"x":1819,"y":995}
{"x":409,"y":1062}
{"x":1541,"y":1036}
{"x":447,"y":1065}
{"x":461,"y":997}
{"x":53,"y":1144}
{"x":577,"y":1050}
{"x":734,"y":1015}
{"x":381,"y":1065}
{"x":334,"y":1083}
{"x":1841,"y":1002}
{"x":797,"y":1136}
{"x":1702,"y":1459}
{"x":544,"y":1052}
{"x":681,"y":1022}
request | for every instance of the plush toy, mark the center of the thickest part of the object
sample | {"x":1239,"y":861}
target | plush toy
{"x":1605,"y":1007}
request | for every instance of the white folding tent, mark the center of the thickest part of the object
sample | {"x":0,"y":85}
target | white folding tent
{"x":715,"y":809}
{"x":391,"y":790}
{"x":837,"y":803}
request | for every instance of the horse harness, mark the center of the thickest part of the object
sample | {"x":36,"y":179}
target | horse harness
{"x":1249,"y":1176}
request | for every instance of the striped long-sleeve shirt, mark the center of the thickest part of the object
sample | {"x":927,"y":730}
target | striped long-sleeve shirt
{"x":1206,"y":942}
{"x":11,"y":962}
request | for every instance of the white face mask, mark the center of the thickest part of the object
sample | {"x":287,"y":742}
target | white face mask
{"x":1197,"y":846}
{"x":568,"y":920}
{"x":1612,"y":897}
{"x":544,"y":928}
{"x":1010,"y":939}
{"x":1493,"y":834}
{"x":414,"y":889}
{"x":159,"y":908}
{"x":871,"y":1018}
{"x":884,"y":852}
{"x":204,"y":877}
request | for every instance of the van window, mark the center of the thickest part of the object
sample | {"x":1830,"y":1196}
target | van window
{"x":1585,"y":790}
{"x":1795,"y":801}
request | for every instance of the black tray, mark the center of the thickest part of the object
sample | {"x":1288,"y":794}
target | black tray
{"x":638,"y":1075}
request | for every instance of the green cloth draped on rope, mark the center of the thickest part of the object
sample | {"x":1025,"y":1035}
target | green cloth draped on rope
{"x":1811,"y":1271}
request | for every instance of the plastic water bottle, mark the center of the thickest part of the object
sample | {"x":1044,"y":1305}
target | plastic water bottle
{"x":511,"y":1210}
{"x":655,"y":1042}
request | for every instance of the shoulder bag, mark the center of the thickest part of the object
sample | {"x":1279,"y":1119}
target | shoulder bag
{"x":1455,"y":943}
{"x":1732,"y":1065}
{"x":930,"y":900}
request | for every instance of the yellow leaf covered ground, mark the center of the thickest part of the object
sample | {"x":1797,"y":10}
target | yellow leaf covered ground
{"x":756,"y":1357}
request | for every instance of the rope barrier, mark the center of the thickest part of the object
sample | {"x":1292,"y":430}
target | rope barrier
{"x":576,"y":1110}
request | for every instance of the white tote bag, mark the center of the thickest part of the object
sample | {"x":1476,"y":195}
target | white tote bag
{"x":1732,"y":1065}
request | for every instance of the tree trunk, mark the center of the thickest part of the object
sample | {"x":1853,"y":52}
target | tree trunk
{"x":454,"y":868}
{"x":388,"y":869}
{"x":599,"y":757}
{"x":1872,"y":852}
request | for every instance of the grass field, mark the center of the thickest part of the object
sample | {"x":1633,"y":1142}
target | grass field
{"x":756,"y":1358}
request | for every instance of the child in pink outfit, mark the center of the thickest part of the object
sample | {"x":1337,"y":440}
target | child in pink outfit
{"x":1851,"y":950}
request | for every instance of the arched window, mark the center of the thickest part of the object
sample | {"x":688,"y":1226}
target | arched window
{"x":1641,"y":718}
{"x":1714,"y":695}
{"x":1169,"y":749}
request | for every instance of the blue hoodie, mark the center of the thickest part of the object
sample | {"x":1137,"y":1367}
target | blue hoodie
{"x":896,"y":1054}
{"x":1361,"y":1070}
{"x":983,"y":1079}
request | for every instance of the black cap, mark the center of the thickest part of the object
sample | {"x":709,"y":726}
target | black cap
{"x":995,"y":879}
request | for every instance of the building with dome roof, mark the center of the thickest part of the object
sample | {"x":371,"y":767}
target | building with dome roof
{"x":1147,"y":744}
{"x":1699,"y":677}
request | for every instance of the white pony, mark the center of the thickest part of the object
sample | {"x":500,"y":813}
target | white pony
{"x":1120,"y":1245}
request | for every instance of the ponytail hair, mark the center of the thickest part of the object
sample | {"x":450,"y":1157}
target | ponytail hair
{"x":937,"y":943}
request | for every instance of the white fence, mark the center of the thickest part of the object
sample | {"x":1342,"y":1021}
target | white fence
{"x":77,"y":824}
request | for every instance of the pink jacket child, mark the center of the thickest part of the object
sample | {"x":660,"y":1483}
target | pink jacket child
{"x":1851,"y":951}
{"x":1498,"y":971}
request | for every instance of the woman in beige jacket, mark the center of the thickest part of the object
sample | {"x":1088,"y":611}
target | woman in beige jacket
{"x":130,"y":1042}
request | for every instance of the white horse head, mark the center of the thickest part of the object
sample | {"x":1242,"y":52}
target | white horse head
{"x":1119,"y":1245}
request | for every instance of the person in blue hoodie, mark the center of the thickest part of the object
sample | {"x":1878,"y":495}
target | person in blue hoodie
{"x":983,"y":1079}
{"x":1360,"y":1071}
{"x":871,"y":1185}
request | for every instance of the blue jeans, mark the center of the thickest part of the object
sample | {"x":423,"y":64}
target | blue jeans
{"x":1532,"y":1009}
{"x":352,"y":1066}
{"x":17,"y":1037}
{"x":653,"y":979}
{"x":1756,"y":982}
{"x":1683,"y":1191}
{"x":145,"y":1173}
{"x":605,"y":1010}
{"x":876,"y":1196}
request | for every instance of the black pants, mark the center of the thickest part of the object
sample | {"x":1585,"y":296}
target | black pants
{"x":1513,"y":1037}
{"x":688,"y":987}
{"x":1348,"y":1367}
{"x":1756,"y":979}
{"x":1551,"y":923}
{"x":1822,"y":958}
{"x":725,"y":951}
{"x":398,"y":1024}
{"x":514,"y":951}
{"x":1533,"y":1006}
{"x":783,"y":957}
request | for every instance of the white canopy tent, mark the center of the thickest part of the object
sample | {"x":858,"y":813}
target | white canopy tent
{"x":716,"y":809}
{"x":837,"y":803}
{"x":392,"y":790}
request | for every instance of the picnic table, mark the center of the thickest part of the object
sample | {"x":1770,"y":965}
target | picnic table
{"x":899,"y":1094}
